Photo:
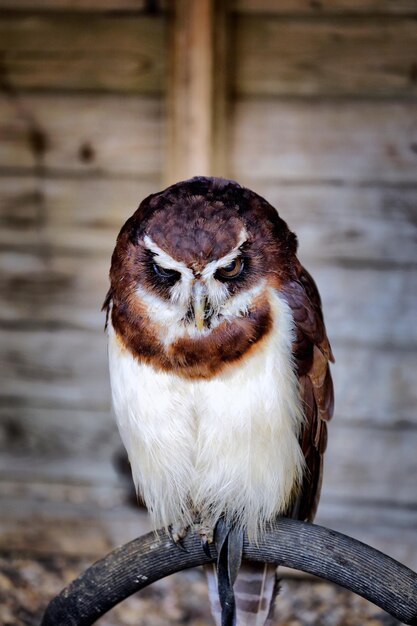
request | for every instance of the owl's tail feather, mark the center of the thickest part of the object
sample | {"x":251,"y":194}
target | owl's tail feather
{"x":256,"y":589}
{"x":229,"y":545}
{"x":241,"y":594}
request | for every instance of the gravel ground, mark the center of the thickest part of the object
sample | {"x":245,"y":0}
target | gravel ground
{"x":27,"y":585}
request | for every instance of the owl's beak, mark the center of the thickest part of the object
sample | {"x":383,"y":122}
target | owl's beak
{"x":199,"y":301}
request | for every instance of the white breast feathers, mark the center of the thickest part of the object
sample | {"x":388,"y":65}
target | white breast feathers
{"x":228,"y":445}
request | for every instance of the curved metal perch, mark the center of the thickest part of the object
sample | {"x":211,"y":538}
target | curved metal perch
{"x":303,"y":546}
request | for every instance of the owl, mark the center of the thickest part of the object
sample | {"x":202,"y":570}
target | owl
{"x":219,"y":369}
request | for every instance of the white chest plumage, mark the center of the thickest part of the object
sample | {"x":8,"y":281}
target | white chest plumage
{"x":227,"y":445}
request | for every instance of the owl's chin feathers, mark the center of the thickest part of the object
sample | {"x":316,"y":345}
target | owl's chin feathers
{"x":226,"y":445}
{"x":160,"y":336}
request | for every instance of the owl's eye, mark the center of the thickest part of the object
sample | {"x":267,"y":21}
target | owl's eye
{"x":166,"y":274}
{"x":231,"y":271}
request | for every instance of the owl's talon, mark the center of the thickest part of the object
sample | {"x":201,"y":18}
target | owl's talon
{"x":180,"y":545}
{"x":177,"y":534}
{"x":206,"y":535}
{"x":206,"y":547}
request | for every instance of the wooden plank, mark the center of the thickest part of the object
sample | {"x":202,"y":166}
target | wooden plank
{"x":324,"y":140}
{"x":59,"y":434}
{"x":377,"y":310}
{"x":78,"y":471}
{"x":61,"y":498}
{"x":56,"y":292}
{"x":377,"y":515}
{"x":196,"y":93}
{"x":222,"y":55}
{"x":369,"y":227}
{"x":124,"y":135}
{"x":318,"y":7}
{"x":79,"y":520}
{"x":61,"y":292}
{"x":370,"y":464}
{"x":82,"y":134}
{"x":375,"y":386}
{"x":283,"y":7}
{"x":343,"y":57}
{"x":75,"y":52}
{"x":190,"y":90}
{"x":55,"y":369}
{"x":59,"y":215}
{"x":75,"y":5}
{"x":365,"y":226}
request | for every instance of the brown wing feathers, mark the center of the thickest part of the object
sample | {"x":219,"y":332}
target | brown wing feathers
{"x":312,"y":354}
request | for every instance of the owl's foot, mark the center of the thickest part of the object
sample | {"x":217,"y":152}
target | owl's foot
{"x":177,"y":534}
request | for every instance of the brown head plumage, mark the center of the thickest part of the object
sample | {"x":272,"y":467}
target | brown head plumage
{"x":208,"y":239}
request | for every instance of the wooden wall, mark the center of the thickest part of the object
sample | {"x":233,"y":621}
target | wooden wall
{"x":322,"y":122}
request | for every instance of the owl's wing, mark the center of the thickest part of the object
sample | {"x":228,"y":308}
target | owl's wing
{"x":312,"y":353}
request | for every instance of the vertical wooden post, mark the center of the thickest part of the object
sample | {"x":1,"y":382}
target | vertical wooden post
{"x":197,"y":90}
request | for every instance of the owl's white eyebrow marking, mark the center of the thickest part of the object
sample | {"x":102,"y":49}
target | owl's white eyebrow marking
{"x":165,"y":260}
{"x":211,"y":267}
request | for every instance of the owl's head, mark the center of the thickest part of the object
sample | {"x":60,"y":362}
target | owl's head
{"x":191,"y":271}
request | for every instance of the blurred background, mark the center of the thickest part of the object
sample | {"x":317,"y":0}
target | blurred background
{"x":311,"y":103}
